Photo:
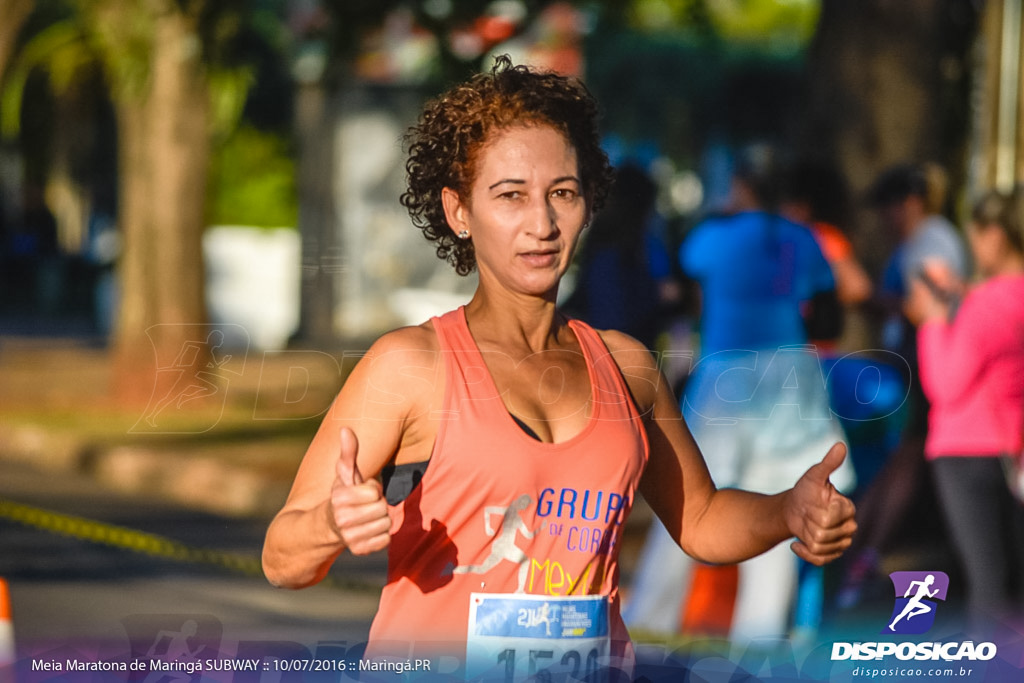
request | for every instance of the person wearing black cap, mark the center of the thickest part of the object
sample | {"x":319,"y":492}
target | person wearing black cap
{"x":909,"y":199}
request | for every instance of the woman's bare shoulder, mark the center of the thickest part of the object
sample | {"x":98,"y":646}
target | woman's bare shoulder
{"x":409,"y":342}
{"x":629,"y":349}
{"x":638,"y":364}
{"x":395,"y":354}
{"x":395,"y":378}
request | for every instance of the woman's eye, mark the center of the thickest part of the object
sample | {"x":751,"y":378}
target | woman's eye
{"x":564,"y":193}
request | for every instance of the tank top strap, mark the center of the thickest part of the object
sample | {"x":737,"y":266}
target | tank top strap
{"x":469,"y":377}
{"x":450,"y":335}
{"x":467,"y":373}
{"x":612,"y":396}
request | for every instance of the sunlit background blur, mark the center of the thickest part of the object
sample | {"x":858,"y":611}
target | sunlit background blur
{"x":240,"y":162}
{"x":200,"y":226}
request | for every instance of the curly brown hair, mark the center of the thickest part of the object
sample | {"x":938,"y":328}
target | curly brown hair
{"x":444,"y":145}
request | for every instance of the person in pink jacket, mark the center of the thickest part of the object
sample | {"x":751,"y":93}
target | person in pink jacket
{"x":971,"y":346}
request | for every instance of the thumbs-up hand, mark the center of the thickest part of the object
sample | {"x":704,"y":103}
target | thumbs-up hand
{"x":358,"y":511}
{"x":819,"y":516}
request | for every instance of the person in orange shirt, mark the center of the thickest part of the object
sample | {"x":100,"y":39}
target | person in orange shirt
{"x":815,"y":194}
{"x":511,"y":441}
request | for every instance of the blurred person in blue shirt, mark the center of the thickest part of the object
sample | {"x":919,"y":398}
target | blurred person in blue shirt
{"x":756,"y":401}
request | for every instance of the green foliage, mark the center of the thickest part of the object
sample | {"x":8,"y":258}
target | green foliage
{"x":121,"y":33}
{"x":252,"y":181}
{"x":117,"y":36}
{"x":676,"y":72}
{"x":61,"y":50}
{"x":675,"y":16}
{"x":780,"y":27}
{"x":229,"y":89}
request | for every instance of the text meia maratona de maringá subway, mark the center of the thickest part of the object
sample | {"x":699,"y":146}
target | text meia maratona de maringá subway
{"x":189,"y":667}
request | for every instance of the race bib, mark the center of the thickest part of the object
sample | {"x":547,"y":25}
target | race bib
{"x":513,"y":637}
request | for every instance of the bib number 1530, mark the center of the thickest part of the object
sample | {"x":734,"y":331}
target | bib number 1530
{"x":513,"y":637}
{"x":572,"y":664}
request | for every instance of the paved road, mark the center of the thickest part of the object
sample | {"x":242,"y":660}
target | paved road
{"x":68,"y":591}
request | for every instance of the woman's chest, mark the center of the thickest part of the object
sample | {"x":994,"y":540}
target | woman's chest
{"x":549,"y":394}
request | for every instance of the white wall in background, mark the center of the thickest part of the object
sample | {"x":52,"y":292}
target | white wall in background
{"x":252,"y":280}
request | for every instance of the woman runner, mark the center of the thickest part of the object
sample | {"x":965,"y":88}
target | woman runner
{"x":495,"y":451}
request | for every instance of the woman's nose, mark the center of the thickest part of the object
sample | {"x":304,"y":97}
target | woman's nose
{"x":544,"y":220}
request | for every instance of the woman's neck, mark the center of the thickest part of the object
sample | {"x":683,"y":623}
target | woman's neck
{"x":531,"y":323}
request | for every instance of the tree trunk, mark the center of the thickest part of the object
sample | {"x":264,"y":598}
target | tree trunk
{"x":164,"y":141}
{"x":874,"y":76}
{"x":997,"y":154}
{"x":321,"y":251}
{"x":888,"y":83}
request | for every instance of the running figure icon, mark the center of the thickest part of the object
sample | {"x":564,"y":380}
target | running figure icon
{"x":544,"y":615}
{"x":504,"y":547}
{"x":192,"y":379}
{"x":915,"y":606}
{"x":173,"y":648}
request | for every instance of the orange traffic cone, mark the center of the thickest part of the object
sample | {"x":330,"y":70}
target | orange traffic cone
{"x":6,"y":627}
{"x":708,"y":611}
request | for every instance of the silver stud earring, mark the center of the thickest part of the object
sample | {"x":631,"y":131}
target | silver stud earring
{"x":463,"y":234}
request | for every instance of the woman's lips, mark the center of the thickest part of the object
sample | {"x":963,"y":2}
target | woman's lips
{"x":540,"y":258}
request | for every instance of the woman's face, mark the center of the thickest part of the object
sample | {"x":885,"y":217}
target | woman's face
{"x":988,"y":245}
{"x":525,"y":210}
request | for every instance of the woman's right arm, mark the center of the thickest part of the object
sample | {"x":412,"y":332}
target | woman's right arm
{"x":336,"y":501}
{"x":725,"y":526}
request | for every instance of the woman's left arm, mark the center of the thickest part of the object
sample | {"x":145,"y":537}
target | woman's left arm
{"x":953,"y":354}
{"x":952,"y":350}
{"x":727,"y":525}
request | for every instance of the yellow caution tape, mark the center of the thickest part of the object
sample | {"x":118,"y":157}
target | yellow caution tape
{"x":146,"y":543}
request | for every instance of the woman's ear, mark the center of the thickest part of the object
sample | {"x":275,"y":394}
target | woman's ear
{"x":454,"y":210}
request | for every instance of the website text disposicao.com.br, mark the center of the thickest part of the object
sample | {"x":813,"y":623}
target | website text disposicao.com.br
{"x":952,"y":659}
{"x":905,"y":672}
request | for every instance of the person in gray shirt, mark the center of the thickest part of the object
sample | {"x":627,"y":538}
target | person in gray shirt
{"x":908,"y":199}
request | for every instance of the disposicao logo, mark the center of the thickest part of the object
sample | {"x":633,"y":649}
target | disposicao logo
{"x":916,"y":596}
{"x":917,"y":599}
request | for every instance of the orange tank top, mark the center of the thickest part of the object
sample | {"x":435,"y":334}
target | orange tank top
{"x":498,"y":511}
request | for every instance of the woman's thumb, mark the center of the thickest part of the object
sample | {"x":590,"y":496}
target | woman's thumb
{"x":346,"y":468}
